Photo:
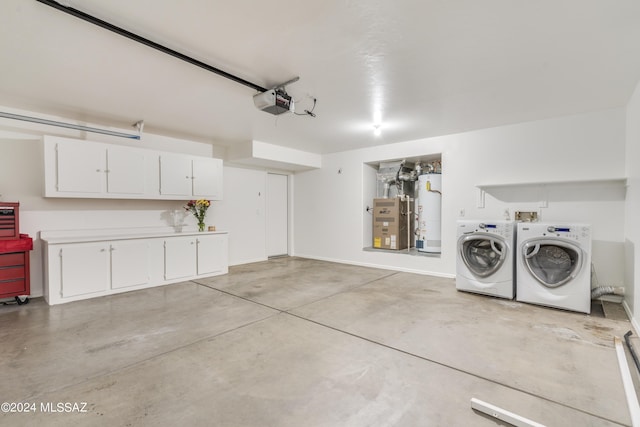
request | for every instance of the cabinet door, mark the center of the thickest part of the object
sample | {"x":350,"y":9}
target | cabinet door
{"x":80,"y":167}
{"x":175,"y":175}
{"x":207,"y":178}
{"x":179,"y":257}
{"x":125,"y":171}
{"x":84,"y":268}
{"x":212,"y":254}
{"x":129,"y":263}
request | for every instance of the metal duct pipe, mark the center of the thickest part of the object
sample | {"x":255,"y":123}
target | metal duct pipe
{"x":387,"y":186}
{"x":606,"y":290}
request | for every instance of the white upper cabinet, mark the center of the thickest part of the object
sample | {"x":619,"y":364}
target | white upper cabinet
{"x":175,"y":175}
{"x":75,"y":168}
{"x":198,"y":177}
{"x":81,"y":168}
{"x":207,"y":178}
{"x":98,"y":169}
{"x":125,"y":171}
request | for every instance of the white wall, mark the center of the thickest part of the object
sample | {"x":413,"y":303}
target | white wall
{"x":328,"y":208}
{"x":330,"y":216}
{"x":242,"y":212}
{"x":21,"y":179}
{"x":632,"y":226}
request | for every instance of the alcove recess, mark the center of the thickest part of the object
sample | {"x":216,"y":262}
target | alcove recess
{"x":371,"y":189}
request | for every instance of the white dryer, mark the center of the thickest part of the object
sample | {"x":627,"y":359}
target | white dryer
{"x":553,"y":265}
{"x":485,"y":257}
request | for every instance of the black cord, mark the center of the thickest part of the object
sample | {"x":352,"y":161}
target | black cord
{"x":308,"y":112}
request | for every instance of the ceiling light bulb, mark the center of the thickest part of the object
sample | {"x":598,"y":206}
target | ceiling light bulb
{"x":376,"y":130}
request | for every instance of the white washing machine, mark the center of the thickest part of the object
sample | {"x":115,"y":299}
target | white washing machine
{"x":485,"y":257}
{"x":553,"y":265}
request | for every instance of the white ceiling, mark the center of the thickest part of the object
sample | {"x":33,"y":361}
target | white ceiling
{"x":430,"y":67}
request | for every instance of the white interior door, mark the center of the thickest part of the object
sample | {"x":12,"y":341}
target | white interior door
{"x":277,"y":215}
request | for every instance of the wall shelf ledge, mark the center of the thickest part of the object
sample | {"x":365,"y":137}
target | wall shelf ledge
{"x":543,"y":192}
{"x":599,"y":182}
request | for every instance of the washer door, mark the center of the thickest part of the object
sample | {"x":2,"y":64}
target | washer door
{"x":482,"y":254}
{"x":552,"y":262}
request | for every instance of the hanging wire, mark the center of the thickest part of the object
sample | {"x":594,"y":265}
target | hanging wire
{"x":308,"y":112}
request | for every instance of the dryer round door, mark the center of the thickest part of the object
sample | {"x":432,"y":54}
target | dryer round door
{"x":552,"y":262}
{"x":482,"y":254}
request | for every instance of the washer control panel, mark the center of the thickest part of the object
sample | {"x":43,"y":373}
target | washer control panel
{"x":503,"y":229}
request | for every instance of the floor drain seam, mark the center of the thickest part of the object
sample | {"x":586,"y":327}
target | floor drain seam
{"x":279,"y":310}
{"x":287,"y":310}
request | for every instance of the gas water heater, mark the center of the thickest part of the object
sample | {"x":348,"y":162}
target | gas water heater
{"x":428,"y":233}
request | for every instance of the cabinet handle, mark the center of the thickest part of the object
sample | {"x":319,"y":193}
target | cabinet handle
{"x":97,"y":170}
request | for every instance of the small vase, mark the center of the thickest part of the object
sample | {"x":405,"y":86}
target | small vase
{"x":201,"y":226}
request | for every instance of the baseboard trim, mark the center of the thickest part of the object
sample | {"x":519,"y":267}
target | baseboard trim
{"x":380,"y":266}
{"x":634,"y":323}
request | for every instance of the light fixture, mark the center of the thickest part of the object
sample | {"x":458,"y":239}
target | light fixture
{"x":138,"y":125}
{"x":376,"y":130}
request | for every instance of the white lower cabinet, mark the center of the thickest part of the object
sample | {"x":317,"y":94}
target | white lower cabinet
{"x":212,"y":255}
{"x":84,"y":269}
{"x":179,"y":257}
{"x":81,"y":270}
{"x":129,"y":263}
{"x":196,"y":256}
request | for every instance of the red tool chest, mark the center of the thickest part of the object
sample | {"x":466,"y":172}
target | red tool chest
{"x":9,"y":221}
{"x":14,"y":255}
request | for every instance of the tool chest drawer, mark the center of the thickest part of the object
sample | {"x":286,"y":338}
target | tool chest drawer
{"x":12,"y":259}
{"x":14,"y":274}
{"x":13,"y":287}
{"x":11,"y":273}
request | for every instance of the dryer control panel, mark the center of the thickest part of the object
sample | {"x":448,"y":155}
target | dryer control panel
{"x":575,"y":232}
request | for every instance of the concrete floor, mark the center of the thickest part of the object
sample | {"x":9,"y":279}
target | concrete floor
{"x":298,"y":342}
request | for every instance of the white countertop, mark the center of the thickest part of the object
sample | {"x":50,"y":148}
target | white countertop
{"x":77,"y":236}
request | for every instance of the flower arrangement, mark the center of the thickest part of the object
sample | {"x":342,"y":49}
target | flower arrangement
{"x":199,"y":209}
